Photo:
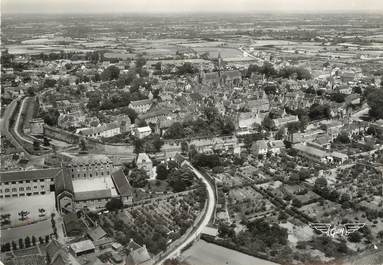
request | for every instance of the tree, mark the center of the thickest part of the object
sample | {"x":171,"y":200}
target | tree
{"x":303,"y":174}
{"x":23,"y":214}
{"x":184,"y":147}
{"x":51,"y":117}
{"x":157,"y":142}
{"x":342,"y":247}
{"x":338,"y":97}
{"x":375,"y":101}
{"x":42,"y":211}
{"x":268,"y":123}
{"x":27,"y":242}
{"x":49,"y":83}
{"x":295,"y":72}
{"x":41,"y":240}
{"x":47,"y":239}
{"x":30,"y":91}
{"x":249,"y":139}
{"x":94,"y":103}
{"x":140,"y":61}
{"x":343,"y":138}
{"x":110,"y":73}
{"x":333,"y":195}
{"x":226,"y":231}
{"x":138,"y":178}
{"x":21,"y":243}
{"x":206,"y":160}
{"x":175,"y":131}
{"x":6,"y":247}
{"x":294,"y":179}
{"x":210,"y":113}
{"x":138,"y":145}
{"x":318,"y":111}
{"x":270,"y":89}
{"x":267,"y":69}
{"x":280,"y":134}
{"x":304,"y":119}
{"x":227,"y":126}
{"x":282,"y":216}
{"x":320,"y":184}
{"x":46,"y":141}
{"x":82,"y":146}
{"x":36,"y":145}
{"x":172,"y":165}
{"x":345,"y":199}
{"x":180,"y":179}
{"x":355,"y":237}
{"x":192,"y":152}
{"x":6,"y":58}
{"x":114,"y":204}
{"x":132,"y":114}
{"x":186,"y":68}
{"x":34,"y":240}
{"x":294,"y":127}
{"x":141,"y":123}
{"x":162,"y":172}
{"x":296,"y":203}
{"x":14,"y":245}
{"x":157,"y":66}
{"x":269,"y":234}
{"x":357,"y":90}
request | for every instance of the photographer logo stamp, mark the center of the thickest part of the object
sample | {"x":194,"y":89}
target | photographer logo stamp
{"x":340,"y":230}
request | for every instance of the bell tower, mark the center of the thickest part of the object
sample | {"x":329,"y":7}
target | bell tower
{"x":219,"y":63}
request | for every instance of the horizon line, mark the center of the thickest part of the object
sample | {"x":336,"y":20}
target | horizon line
{"x":183,"y":12}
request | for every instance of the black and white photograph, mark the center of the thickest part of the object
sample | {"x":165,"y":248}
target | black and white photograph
{"x":191,"y":132}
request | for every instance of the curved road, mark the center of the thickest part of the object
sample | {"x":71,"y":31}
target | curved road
{"x":12,"y":132}
{"x":17,"y":124}
{"x":17,"y":127}
{"x":6,"y":129}
{"x":204,"y":222}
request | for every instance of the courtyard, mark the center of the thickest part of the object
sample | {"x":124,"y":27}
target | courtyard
{"x":35,"y":208}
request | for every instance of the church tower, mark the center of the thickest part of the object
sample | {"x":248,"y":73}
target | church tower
{"x":219,"y":63}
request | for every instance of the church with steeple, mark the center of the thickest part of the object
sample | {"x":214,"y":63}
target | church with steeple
{"x":221,"y":78}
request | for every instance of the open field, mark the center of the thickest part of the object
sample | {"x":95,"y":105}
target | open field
{"x":203,"y":253}
{"x":214,"y":51}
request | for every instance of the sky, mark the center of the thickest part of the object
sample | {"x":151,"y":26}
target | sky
{"x":174,"y":6}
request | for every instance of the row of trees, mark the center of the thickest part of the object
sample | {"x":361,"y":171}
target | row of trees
{"x":98,"y":101}
{"x":210,"y":123}
{"x":24,"y":243}
{"x":321,"y":188}
{"x":268,"y":70}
